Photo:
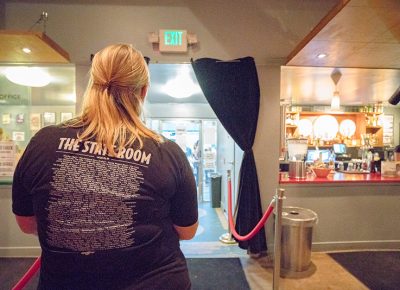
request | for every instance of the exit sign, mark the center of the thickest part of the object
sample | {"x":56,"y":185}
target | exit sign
{"x":173,"y":40}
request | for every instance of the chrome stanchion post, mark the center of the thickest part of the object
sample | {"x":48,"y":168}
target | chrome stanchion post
{"x":279,"y":196}
{"x":227,"y":238}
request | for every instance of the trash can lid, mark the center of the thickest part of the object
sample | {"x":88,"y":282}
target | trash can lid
{"x":215,"y":174}
{"x":297,"y":216}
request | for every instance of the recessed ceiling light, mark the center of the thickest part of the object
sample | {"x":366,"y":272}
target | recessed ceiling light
{"x":322,"y":55}
{"x":182,"y":86}
{"x":26,"y":50}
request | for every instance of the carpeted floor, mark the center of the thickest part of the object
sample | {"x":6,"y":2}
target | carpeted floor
{"x":12,"y":270}
{"x":378,"y":270}
{"x":217,"y":273}
{"x":205,"y":273}
{"x":368,"y":270}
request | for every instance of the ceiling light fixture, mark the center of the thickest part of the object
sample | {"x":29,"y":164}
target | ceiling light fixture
{"x":28,"y":76}
{"x":26,"y":50}
{"x":182,"y":86}
{"x":335,"y":102}
{"x":322,"y":55}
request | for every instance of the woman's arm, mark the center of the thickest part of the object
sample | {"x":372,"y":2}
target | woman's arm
{"x":27,"y":224}
{"x":186,"y":233}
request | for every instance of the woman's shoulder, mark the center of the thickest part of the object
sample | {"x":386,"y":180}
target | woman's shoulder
{"x":51,"y":132}
{"x":171,"y":147}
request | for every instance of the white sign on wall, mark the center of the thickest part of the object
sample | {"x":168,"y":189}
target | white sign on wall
{"x":8,"y":151}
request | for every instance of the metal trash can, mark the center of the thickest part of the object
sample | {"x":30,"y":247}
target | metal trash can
{"x":297,"y":226}
{"x":216,"y":190}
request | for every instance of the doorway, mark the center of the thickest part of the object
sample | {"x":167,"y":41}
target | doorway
{"x":198,"y":139}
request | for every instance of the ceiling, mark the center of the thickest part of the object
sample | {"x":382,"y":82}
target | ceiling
{"x":357,"y":86}
{"x":43,"y":48}
{"x":362,"y":39}
{"x":356,"y":34}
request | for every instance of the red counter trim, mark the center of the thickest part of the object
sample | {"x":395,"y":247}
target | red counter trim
{"x":339,"y":178}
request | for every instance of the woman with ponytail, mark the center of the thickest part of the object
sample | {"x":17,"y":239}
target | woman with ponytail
{"x":108,"y":198}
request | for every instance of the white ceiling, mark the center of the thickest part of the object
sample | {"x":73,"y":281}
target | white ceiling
{"x":160,"y":74}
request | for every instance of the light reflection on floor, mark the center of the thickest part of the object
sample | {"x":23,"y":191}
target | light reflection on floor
{"x":206,"y":243}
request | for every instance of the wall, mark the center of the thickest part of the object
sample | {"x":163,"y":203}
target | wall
{"x":78,"y":27}
{"x":12,"y":241}
{"x":266,"y":144}
{"x":2,"y":14}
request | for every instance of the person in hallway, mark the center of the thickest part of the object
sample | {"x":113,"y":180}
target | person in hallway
{"x":195,"y":158}
{"x":108,"y":198}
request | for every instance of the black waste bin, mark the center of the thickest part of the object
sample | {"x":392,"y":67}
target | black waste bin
{"x":216,"y":190}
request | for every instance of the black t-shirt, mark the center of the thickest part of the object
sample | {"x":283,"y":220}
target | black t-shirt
{"x":101,"y":217}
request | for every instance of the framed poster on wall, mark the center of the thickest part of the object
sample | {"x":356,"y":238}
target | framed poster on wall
{"x":49,"y":118}
{"x":387,"y":124}
{"x":35,"y":121}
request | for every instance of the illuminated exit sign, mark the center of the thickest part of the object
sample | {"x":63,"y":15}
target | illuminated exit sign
{"x":173,"y":40}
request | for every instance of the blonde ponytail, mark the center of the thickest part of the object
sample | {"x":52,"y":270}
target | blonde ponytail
{"x":113,"y":100}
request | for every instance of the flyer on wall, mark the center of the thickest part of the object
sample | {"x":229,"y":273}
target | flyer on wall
{"x":49,"y":118}
{"x":35,"y":121}
{"x":6,"y":118}
{"x":18,"y":136}
{"x":7,"y":158}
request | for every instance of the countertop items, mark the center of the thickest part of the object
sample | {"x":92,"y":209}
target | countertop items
{"x":339,"y":177}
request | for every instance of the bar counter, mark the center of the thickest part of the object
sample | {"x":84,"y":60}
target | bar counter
{"x":338,"y":177}
{"x":355,"y":211}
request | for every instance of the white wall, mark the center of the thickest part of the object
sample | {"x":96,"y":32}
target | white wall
{"x":266,"y":144}
{"x":12,"y":241}
{"x":2,"y":14}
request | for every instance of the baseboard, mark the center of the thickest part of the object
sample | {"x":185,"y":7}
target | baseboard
{"x":20,"y":252}
{"x":356,"y":245}
{"x":351,"y":245}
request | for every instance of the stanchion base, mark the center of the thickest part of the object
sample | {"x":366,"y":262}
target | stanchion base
{"x":227,"y":239}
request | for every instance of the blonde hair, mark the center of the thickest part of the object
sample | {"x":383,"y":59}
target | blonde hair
{"x":113,"y":100}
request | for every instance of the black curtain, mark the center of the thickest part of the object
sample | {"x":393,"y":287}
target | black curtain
{"x":233,"y":92}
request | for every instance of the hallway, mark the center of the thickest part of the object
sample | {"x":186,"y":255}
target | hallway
{"x":206,"y":244}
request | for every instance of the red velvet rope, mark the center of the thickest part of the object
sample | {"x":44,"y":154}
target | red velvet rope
{"x":28,"y":275}
{"x":256,"y":228}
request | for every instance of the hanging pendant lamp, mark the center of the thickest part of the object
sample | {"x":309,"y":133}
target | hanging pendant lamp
{"x":335,"y":102}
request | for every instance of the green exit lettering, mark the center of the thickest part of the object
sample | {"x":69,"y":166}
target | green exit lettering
{"x":173,"y":38}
